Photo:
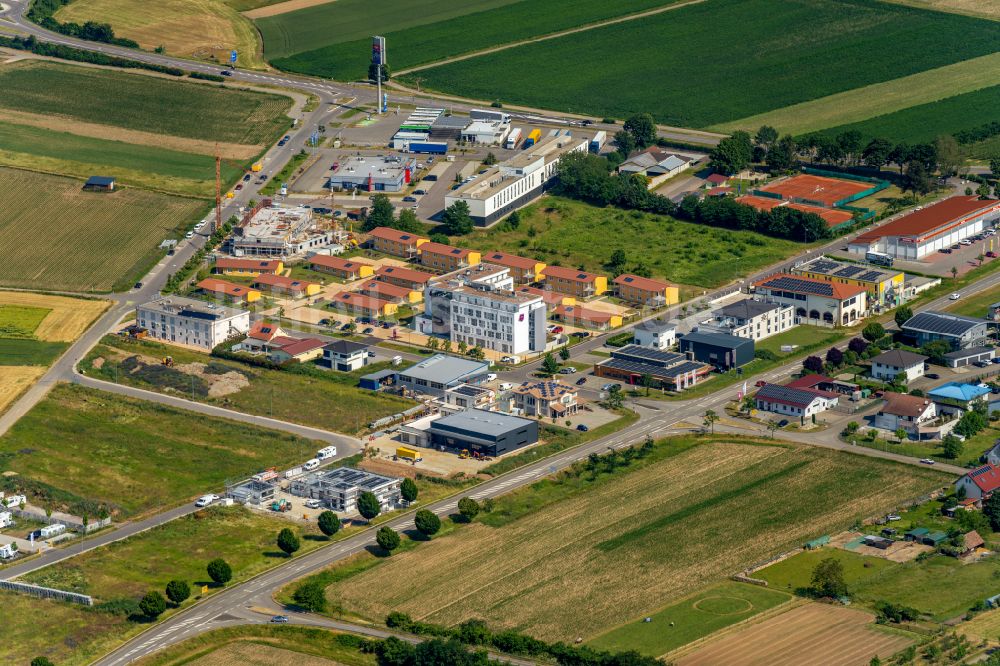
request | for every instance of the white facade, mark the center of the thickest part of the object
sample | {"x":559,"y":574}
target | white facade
{"x":489,"y":132}
{"x":5,"y":519}
{"x":478,"y":306}
{"x":887,"y":372}
{"x":185,"y":321}
{"x":755,"y":320}
{"x":911,"y":424}
{"x":818,"y":405}
{"x":655,"y":337}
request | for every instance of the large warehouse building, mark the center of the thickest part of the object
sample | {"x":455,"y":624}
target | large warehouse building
{"x":926,"y":231}
{"x":515,"y":182}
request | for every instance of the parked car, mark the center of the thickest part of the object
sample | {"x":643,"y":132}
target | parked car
{"x":239,"y":186}
{"x":981,"y":364}
{"x":568,"y":370}
{"x":226,"y":72}
{"x":368,"y":331}
{"x":420,"y":191}
{"x":311,"y":504}
{"x":205,"y":500}
{"x":893,"y":517}
{"x":946,"y":250}
{"x":782,"y":423}
{"x":926,"y":461}
{"x":760,"y":382}
{"x":506,"y":386}
{"x":279,"y":619}
{"x":491,"y":377}
{"x":582,"y":428}
{"x":932,"y":375}
{"x":246,"y":178}
{"x":581,"y":381}
{"x":954,"y":296}
{"x":137,"y":285}
{"x":608,"y":387}
{"x":556,"y":330}
{"x":991,"y":254}
{"x":311,"y":464}
{"x":996,"y":360}
{"x":409,"y":199}
{"x":580,"y":334}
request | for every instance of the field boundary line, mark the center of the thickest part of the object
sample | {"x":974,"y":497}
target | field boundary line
{"x":554,"y":35}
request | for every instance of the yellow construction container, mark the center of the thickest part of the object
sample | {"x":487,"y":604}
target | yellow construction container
{"x":406,"y":453}
{"x":257,"y":166}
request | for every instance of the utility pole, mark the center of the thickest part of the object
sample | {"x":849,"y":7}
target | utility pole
{"x":217,"y":224}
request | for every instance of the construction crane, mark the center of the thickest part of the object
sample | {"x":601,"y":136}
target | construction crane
{"x":219,"y":159}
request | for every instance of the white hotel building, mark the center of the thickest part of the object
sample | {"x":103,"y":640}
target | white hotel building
{"x":478,"y":306}
{"x":515,"y":182}
{"x":185,"y":321}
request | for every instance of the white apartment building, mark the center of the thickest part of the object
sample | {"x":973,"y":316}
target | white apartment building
{"x":655,"y":334}
{"x":478,"y":306}
{"x":755,"y":320}
{"x":515,"y":182}
{"x":185,"y":321}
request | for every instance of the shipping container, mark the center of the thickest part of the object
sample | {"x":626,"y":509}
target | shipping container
{"x":406,"y":453}
{"x":514,"y":138}
{"x":533,"y":138}
{"x":598,"y":141}
{"x":432,"y":147}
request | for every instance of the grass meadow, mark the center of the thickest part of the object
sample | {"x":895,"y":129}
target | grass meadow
{"x":481,"y":26}
{"x":571,"y":233}
{"x":80,"y":445}
{"x":72,"y":256}
{"x":689,"y":515}
{"x":21,"y":321}
{"x":702,"y":49}
{"x":147,"y":103}
{"x":330,"y":401}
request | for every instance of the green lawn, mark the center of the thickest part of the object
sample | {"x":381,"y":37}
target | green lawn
{"x":971,"y":448}
{"x":147,"y":103}
{"x":703,"y":48}
{"x":924,"y":122}
{"x":80,"y":448}
{"x":324,"y":399}
{"x":695,"y":617}
{"x":437,"y":35}
{"x":794,"y":574}
{"x":20,"y":321}
{"x":806,"y":338}
{"x":571,"y":233}
{"x":976,"y":305}
{"x":14,"y":351}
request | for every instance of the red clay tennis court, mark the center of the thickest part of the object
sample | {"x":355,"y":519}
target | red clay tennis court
{"x":833,"y":216}
{"x":825,"y":191}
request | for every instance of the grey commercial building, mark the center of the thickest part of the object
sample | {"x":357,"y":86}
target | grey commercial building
{"x":721,"y":350}
{"x":339,"y":488}
{"x":375,"y":174}
{"x":488,"y":433}
{"x":440,"y":372}
{"x":958,"y":331}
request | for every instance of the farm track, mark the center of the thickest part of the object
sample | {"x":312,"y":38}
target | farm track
{"x":555,"y":35}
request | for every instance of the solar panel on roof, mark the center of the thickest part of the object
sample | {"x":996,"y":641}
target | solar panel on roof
{"x":628,"y":279}
{"x":645,"y":353}
{"x":936,"y":322}
{"x":650,"y":369}
{"x":848,"y":271}
{"x":797,"y":284}
{"x":871,"y":276}
{"x":822,"y":266}
{"x":581,"y":276}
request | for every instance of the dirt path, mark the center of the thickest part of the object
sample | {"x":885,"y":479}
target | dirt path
{"x":283,"y":8}
{"x":563,"y":33}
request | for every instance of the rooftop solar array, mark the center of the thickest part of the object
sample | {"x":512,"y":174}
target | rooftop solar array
{"x":800,"y":285}
{"x":640,"y":353}
{"x":652,"y":370}
{"x":941,"y":323}
{"x":822,"y":266}
{"x":795,"y":396}
{"x":871,"y":276}
{"x":849,"y":271}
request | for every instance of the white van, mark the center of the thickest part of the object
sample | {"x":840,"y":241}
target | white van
{"x":492,"y":377}
{"x":326,"y":452}
{"x":506,"y":386}
{"x":397,"y":360}
{"x":311,"y":465}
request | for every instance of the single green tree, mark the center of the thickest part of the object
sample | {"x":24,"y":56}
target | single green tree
{"x":647,"y":381}
{"x":732,"y":154}
{"x":219,"y":571}
{"x":368,"y":505}
{"x":954,"y":272}
{"x":766,"y":135}
{"x":903,"y":314}
{"x":311,"y":596}
{"x":615,"y":399}
{"x":828,"y":578}
{"x":153,"y":604}
{"x":875,"y":661}
{"x":468,"y":508}
{"x":625,"y":143}
{"x":564,"y":352}
{"x":427,"y":522}
{"x":550,"y":365}
{"x":387,"y":538}
{"x":710,"y":418}
{"x":873,"y":331}
{"x":951,"y":446}
{"x":642,"y":127}
{"x":288,"y":541}
{"x":329,"y":523}
{"x":456,"y":219}
{"x":900,"y":435}
{"x":408,"y":490}
{"x":178,"y":591}
{"x":41,"y":661}
{"x":381,"y":213}
{"x":490,"y":159}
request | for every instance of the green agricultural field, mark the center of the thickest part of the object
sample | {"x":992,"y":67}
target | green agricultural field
{"x":327,"y":400}
{"x":795,"y":573}
{"x":449,"y":36}
{"x":576,"y":555}
{"x":145,"y":103}
{"x":72,"y":256}
{"x":80,"y":446}
{"x":701,"y":50}
{"x":924,"y":122}
{"x":571,"y":233}
{"x":355,"y":20}
{"x":705,"y":613}
{"x":21,"y":321}
{"x":20,"y":351}
{"x":144,"y":166}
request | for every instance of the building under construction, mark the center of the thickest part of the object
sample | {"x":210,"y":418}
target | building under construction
{"x":276,"y":231}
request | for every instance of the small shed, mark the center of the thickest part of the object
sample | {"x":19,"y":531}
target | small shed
{"x":100,"y":184}
{"x":971,"y":541}
{"x":935,"y":539}
{"x":376,"y":380}
{"x":875,"y":541}
{"x":818,"y":542}
{"x":917,"y":534}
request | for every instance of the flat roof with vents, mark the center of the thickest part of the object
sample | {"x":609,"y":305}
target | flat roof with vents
{"x":492,"y":424}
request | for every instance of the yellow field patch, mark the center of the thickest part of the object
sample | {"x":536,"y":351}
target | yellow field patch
{"x":69,"y":318}
{"x":283,"y":8}
{"x":190,"y":28}
{"x":14,"y":380}
{"x":877,"y":99}
{"x":230,"y":150}
{"x":989,"y":9}
{"x":246,"y":653}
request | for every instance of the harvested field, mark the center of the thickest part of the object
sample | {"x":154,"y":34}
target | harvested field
{"x":814,"y":634}
{"x":245,"y":653}
{"x":282,"y":7}
{"x":14,"y":380}
{"x":73,"y":256}
{"x":186,"y":28}
{"x":67,"y":318}
{"x":981,"y":8}
{"x":984,"y":626}
{"x":667,"y":513}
